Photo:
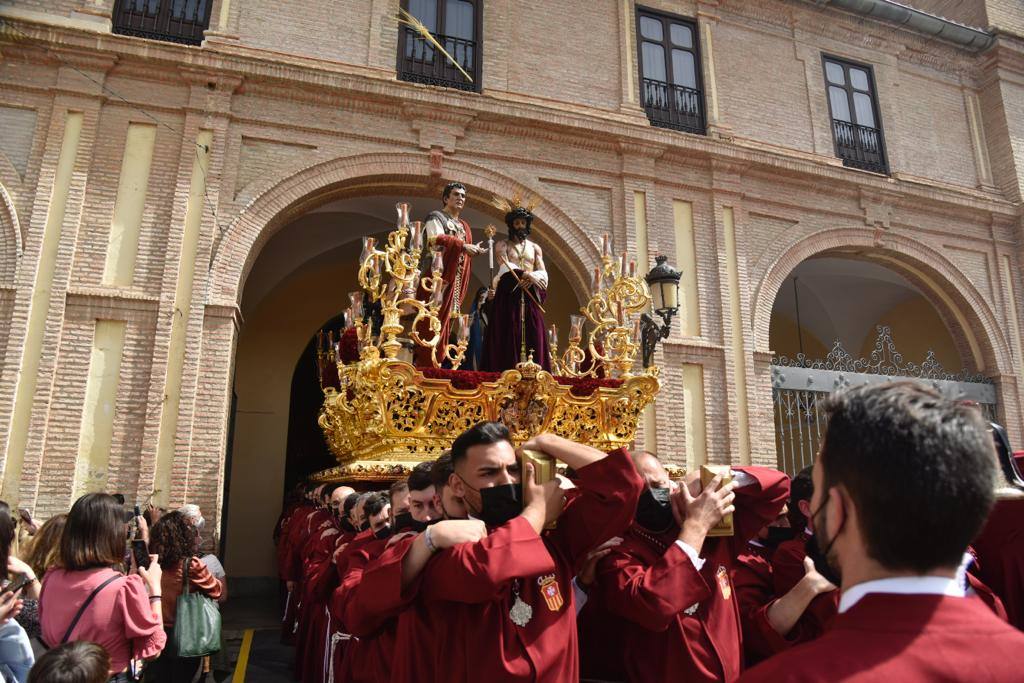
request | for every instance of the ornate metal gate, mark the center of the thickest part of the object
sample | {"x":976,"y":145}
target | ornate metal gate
{"x":799,"y":384}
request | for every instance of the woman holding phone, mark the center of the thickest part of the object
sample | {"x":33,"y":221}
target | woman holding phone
{"x":87,"y":597}
{"x":18,"y":581}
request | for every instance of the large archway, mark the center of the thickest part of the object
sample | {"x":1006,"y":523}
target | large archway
{"x":296,"y":283}
{"x":852,"y":314}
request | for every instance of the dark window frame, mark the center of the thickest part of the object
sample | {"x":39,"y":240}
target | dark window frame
{"x":697,"y":123}
{"x":160,"y":26}
{"x":458,"y":82}
{"x":849,"y":158}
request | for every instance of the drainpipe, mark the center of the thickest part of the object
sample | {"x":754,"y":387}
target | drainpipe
{"x":922,"y":22}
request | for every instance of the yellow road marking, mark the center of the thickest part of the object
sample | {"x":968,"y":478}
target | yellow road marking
{"x":243,"y":657}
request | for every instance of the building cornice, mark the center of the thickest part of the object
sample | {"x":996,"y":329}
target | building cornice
{"x":365,"y":90}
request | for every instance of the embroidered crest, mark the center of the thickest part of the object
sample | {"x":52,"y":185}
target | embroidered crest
{"x":552,"y":594}
{"x":723,"y":582}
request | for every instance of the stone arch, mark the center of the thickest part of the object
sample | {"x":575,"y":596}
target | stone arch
{"x":236,"y":250}
{"x":943,"y":283}
{"x":10,"y":237}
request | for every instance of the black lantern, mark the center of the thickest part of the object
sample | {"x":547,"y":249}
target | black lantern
{"x":663,"y":281}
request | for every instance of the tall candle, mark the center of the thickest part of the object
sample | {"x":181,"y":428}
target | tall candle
{"x":632,"y":268}
{"x":553,"y":336}
{"x":619,"y":314}
{"x":597,"y":279}
{"x":464,"y":327}
{"x":636,"y":330}
{"x":606,"y":247}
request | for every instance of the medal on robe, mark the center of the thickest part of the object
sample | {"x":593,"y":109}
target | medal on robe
{"x":692,"y":609}
{"x":521,"y":613}
{"x":723,"y":582}
{"x":549,"y":589}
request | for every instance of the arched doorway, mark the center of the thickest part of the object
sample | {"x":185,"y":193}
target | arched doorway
{"x":848,"y":317}
{"x":297,"y":283}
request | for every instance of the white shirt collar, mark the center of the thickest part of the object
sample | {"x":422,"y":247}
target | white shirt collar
{"x":901,"y":585}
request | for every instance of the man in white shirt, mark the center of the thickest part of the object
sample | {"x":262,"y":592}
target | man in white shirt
{"x":904,"y":480}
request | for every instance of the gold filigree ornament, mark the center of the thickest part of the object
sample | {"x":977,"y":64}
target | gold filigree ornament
{"x":383,"y":416}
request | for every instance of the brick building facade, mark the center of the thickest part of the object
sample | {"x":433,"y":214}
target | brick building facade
{"x":141,"y":180}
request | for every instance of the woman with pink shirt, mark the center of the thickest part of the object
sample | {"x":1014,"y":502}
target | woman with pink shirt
{"x":123,"y":613}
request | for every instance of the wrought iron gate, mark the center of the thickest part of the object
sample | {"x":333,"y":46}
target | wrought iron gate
{"x":799,"y":384}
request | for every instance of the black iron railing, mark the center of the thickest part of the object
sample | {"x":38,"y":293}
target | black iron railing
{"x":176,"y":21}
{"x":674,"y":106}
{"x":420,"y":62}
{"x":860,"y":146}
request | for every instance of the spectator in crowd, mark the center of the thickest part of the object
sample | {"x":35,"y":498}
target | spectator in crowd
{"x":16,"y":656}
{"x":44,"y":551}
{"x":903,"y":482}
{"x":88,"y":597}
{"x":173,"y":538}
{"x":76,"y":662}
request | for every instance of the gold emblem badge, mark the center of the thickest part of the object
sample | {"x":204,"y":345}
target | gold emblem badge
{"x":552,"y":595}
{"x":723,"y":582}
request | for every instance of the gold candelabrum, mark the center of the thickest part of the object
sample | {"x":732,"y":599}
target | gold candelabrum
{"x":390,"y":275}
{"x":618,"y":295}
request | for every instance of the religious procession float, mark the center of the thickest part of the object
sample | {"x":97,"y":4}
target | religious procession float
{"x":396,"y":384}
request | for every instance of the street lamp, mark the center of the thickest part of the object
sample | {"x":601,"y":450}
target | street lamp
{"x":663,"y":281}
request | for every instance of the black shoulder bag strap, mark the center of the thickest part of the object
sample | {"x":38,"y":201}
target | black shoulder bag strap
{"x":88,"y":600}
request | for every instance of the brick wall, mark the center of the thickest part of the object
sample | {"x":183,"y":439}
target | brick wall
{"x":555,"y":120}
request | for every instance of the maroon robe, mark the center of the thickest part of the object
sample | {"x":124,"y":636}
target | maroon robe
{"x":504,"y":341}
{"x":290,"y":566}
{"x":320,"y":581}
{"x":368,"y":655}
{"x":456,"y":273}
{"x":787,"y":570}
{"x":755,"y":592}
{"x":467,"y":591}
{"x":1000,"y":551}
{"x":904,"y":638}
{"x":306,"y":611}
{"x":340,"y":636}
{"x":651,"y":582}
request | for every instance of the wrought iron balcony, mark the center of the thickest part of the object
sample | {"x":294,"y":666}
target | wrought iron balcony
{"x":176,"y":21}
{"x":860,"y":146}
{"x":674,"y":106}
{"x":419,"y":62}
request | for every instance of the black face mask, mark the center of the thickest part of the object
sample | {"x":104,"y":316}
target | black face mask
{"x":382,"y":533}
{"x":820,"y":555}
{"x":654,"y":510}
{"x":499,"y":504}
{"x":779,"y":534}
{"x":346,"y":525}
{"x":364,"y":526}
{"x":405,"y":522}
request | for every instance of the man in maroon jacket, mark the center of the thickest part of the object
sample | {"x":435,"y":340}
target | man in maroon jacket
{"x":903,"y":482}
{"x":672,"y":586}
{"x":502,"y":608}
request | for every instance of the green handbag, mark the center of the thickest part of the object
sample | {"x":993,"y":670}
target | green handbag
{"x":197,"y":625}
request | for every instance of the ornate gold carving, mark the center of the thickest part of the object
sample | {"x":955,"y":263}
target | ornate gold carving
{"x":387,"y":416}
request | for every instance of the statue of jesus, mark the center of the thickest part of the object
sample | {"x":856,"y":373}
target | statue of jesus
{"x":516,"y":323}
{"x":450,"y":235}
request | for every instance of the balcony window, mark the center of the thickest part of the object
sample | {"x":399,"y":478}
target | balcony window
{"x":670,"y":83}
{"x":176,"y":21}
{"x":856,"y":127}
{"x":455,"y":24}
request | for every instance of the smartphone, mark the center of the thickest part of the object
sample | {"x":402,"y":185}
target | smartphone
{"x":141,"y":553}
{"x":17,"y":585}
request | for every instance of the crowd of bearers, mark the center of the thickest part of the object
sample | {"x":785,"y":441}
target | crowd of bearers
{"x":856,"y":569}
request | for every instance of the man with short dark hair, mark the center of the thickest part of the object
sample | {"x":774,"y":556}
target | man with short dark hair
{"x":447,"y":503}
{"x":504,"y":603}
{"x":422,"y":504}
{"x":398,"y":493}
{"x":903,"y":482}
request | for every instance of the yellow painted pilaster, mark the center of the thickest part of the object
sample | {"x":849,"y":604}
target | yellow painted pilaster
{"x":711,"y":83}
{"x":97,"y":431}
{"x":39,"y":307}
{"x":179,"y":323}
{"x":739,"y":357}
{"x":1011,"y":307}
{"x":693,"y":416}
{"x":130,"y":204}
{"x":686,"y":257}
{"x":643,"y":255}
